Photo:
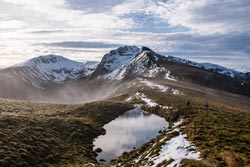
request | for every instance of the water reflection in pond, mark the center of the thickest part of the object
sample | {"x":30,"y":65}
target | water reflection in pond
{"x":129,"y":130}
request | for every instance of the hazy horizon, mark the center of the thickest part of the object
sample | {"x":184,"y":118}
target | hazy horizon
{"x":201,"y":30}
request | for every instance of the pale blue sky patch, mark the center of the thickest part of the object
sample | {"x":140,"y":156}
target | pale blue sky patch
{"x":152,"y":24}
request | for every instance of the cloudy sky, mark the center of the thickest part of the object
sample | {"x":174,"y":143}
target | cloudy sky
{"x":216,"y":31}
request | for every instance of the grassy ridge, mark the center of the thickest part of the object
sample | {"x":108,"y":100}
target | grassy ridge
{"x":53,"y":137}
{"x":221,"y":133}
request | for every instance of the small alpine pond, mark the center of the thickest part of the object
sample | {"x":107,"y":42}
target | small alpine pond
{"x":128,"y":131}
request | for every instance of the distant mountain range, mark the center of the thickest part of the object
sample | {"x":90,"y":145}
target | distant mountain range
{"x":123,"y":63}
{"x":214,"y":68}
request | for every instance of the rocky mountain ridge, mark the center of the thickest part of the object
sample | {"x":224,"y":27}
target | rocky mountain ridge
{"x":53,"y":73}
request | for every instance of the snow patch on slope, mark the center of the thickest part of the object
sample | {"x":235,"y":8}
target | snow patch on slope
{"x":153,"y":85}
{"x":169,"y":77}
{"x":177,"y":149}
{"x":144,"y":98}
{"x":173,"y":150}
{"x":175,"y":124}
{"x":161,"y":88}
{"x":177,"y":92}
{"x":149,"y":102}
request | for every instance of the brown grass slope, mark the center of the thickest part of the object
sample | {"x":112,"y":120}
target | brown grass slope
{"x":34,"y":134}
{"x":40,"y":134}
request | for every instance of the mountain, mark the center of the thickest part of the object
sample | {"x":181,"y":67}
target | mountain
{"x":48,"y":69}
{"x":129,"y":62}
{"x":45,"y":76}
{"x":132,"y":61}
{"x":213,"y":67}
{"x":125,"y":62}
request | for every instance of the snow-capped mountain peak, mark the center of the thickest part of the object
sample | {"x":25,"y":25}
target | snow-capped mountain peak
{"x":119,"y":57}
{"x":45,"y":59}
{"x":114,"y":63}
{"x":50,"y":63}
{"x":127,"y":62}
{"x":51,"y":68}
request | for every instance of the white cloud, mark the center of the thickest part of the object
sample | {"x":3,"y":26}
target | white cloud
{"x":59,"y":14}
{"x":11,"y":24}
{"x":206,"y":29}
{"x":208,"y":16}
{"x":204,"y":16}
